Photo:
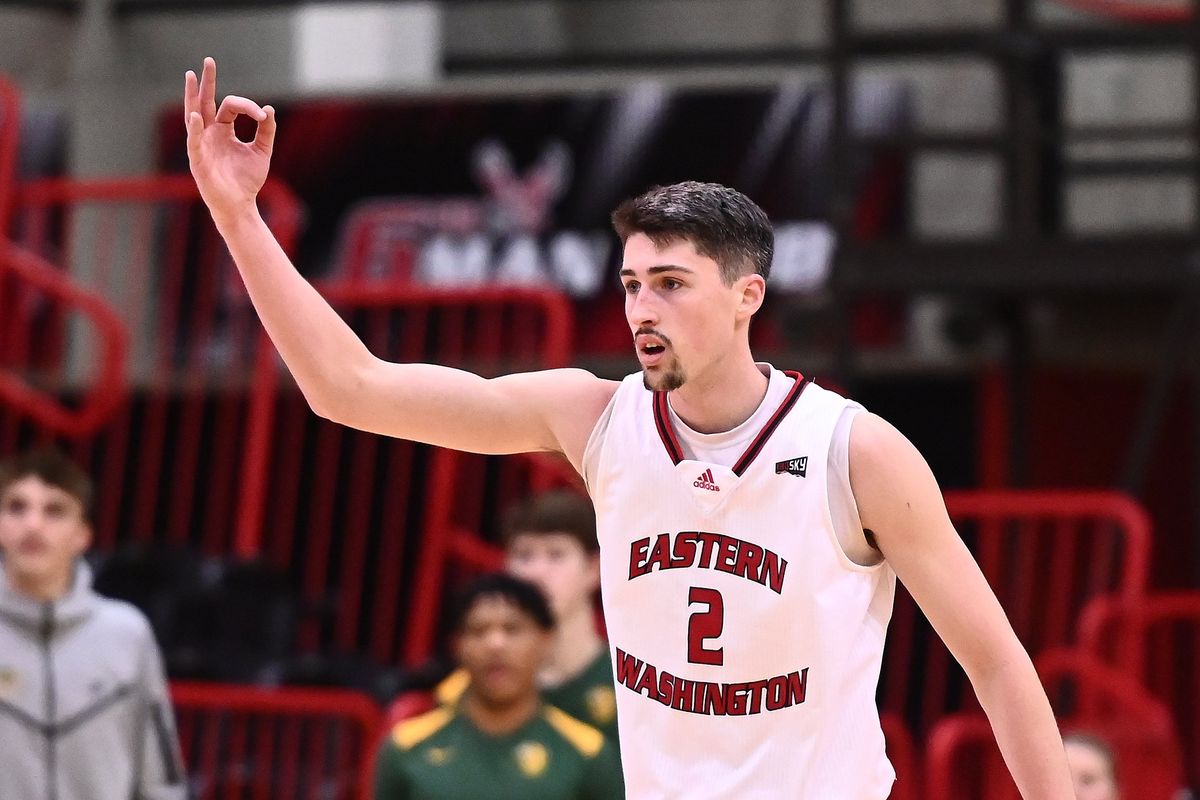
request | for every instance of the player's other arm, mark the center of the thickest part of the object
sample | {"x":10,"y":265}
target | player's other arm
{"x":339,"y":377}
{"x":900,"y":502}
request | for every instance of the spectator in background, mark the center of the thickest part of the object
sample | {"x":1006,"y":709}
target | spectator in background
{"x":500,"y":741}
{"x":1093,"y":767}
{"x":84,"y":710}
{"x":551,"y":541}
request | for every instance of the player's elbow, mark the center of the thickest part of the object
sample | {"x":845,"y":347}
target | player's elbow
{"x":337,"y":397}
{"x":321,"y":405}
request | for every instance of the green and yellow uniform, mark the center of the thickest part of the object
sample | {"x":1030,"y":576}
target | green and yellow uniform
{"x":441,"y":755}
{"x":588,"y":696}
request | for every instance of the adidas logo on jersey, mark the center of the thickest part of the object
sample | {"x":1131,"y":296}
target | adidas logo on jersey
{"x":705,"y":481}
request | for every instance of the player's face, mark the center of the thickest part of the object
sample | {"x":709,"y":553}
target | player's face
{"x":681,"y":313}
{"x":501,"y":648}
{"x":42,"y":531}
{"x":567,"y":573}
{"x":1090,"y":772}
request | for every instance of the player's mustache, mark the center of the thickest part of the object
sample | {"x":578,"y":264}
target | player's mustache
{"x":652,"y":332}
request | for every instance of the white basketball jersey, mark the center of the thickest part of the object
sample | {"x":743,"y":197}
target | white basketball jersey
{"x":746,"y":646}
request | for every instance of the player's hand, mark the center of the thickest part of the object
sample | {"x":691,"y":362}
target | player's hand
{"x":228,"y":172}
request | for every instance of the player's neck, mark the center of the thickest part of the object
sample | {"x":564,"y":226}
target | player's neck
{"x":722,"y":398}
{"x":500,"y":720}
{"x":576,"y":645}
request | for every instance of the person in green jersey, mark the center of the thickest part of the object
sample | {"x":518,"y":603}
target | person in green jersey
{"x":550,"y":540}
{"x":500,"y":741}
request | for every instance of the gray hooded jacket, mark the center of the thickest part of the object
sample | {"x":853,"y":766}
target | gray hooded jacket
{"x":84,"y":709}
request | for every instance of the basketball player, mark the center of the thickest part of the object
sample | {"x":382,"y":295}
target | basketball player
{"x":746,"y":585}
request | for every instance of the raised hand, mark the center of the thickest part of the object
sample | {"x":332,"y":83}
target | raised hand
{"x":228,"y":172}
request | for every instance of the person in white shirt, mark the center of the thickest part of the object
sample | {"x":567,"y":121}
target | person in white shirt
{"x":745,"y":629}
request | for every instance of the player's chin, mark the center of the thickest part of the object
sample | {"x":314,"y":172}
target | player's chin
{"x":662,"y":379}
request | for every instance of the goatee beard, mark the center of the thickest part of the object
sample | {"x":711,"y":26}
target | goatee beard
{"x":670,"y":380}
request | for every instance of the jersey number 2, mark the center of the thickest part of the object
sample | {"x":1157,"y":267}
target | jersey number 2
{"x":704,"y":625}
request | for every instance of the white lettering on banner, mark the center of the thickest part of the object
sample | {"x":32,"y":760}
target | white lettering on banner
{"x":803,"y":256}
{"x":576,"y":262}
{"x":506,"y":237}
{"x":579,"y":263}
{"x":520,"y":263}
{"x":447,"y":260}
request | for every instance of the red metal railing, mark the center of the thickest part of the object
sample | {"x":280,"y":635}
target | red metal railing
{"x":166,"y":463}
{"x":34,"y":296}
{"x":243,"y":743}
{"x":337,"y":507}
{"x":964,"y":763}
{"x":10,"y":132}
{"x":456,"y":521}
{"x":1045,"y":554}
{"x":1155,"y":638}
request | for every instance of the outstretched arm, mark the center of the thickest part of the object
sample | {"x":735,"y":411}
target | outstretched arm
{"x":339,"y":377}
{"x":899,"y":501}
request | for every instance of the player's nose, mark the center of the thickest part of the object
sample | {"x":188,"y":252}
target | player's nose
{"x":641,"y":311}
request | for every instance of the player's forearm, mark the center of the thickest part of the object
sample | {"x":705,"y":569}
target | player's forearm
{"x":1024,"y":726}
{"x":319,"y":348}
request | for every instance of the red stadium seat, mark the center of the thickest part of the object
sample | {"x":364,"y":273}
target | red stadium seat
{"x":1156,"y":639}
{"x":964,"y":763}
{"x":1045,"y":554}
{"x":903,"y":754}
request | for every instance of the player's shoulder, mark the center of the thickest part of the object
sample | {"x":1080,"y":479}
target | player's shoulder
{"x":583,"y":738}
{"x":409,"y":733}
{"x":122,"y":619}
{"x":874,"y":439}
{"x":452,"y":687}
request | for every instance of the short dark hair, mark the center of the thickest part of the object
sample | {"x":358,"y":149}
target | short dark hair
{"x":556,"y":511}
{"x":521,"y":593}
{"x":721,"y":223}
{"x":53,"y":468}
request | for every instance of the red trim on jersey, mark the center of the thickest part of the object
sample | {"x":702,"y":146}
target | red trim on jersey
{"x":662,"y":421}
{"x":757,"y":445}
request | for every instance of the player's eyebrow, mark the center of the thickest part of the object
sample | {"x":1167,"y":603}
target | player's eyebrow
{"x":656,"y":269}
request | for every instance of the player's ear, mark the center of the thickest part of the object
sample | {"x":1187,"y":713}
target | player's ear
{"x":84,"y":538}
{"x":752,"y":290}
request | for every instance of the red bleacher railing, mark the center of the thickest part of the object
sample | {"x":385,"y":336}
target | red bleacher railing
{"x":455,"y":523}
{"x":1156,"y":639}
{"x":148,"y":247}
{"x":1045,"y":554}
{"x":246,"y":742}
{"x":318,"y":483}
{"x":964,"y":763}
{"x":30,"y":291}
{"x":10,"y":133}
